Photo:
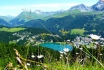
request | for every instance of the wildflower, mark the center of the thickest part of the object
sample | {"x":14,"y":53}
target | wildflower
{"x":65,"y":53}
{"x":28,"y":64}
{"x":61,"y":55}
{"x":81,"y":48}
{"x":77,"y":53}
{"x":100,"y":54}
{"x":32,"y":55}
{"x":66,"y":50}
{"x":61,"y":52}
{"x":40,"y":56}
{"x":95,"y":37}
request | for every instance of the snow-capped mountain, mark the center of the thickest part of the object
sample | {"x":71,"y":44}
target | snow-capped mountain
{"x":81,"y":7}
{"x":48,"y":12}
{"x":38,"y":11}
{"x":99,"y":6}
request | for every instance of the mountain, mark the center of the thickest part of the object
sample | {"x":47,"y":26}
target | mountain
{"x":81,"y":7}
{"x":48,"y":13}
{"x":25,"y":16}
{"x":99,"y":6}
{"x":7,"y":18}
{"x":3,"y":23}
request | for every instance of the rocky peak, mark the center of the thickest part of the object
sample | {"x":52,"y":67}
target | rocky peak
{"x":81,"y":7}
{"x":99,"y":6}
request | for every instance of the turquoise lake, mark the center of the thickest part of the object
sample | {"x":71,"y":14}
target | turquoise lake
{"x":56,"y":46}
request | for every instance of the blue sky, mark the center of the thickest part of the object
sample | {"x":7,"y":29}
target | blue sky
{"x":14,"y":7}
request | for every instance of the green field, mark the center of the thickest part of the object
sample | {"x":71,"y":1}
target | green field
{"x":11,"y":29}
{"x":78,"y":31}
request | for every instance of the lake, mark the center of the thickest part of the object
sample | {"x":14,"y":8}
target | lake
{"x":57,"y":46}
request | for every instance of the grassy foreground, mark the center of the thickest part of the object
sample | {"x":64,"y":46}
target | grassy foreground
{"x":53,"y":60}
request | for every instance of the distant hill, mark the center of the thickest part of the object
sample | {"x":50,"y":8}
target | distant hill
{"x":28,"y":15}
{"x":7,"y":18}
{"x":3,"y":22}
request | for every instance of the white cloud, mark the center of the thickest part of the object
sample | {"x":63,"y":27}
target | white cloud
{"x":14,"y":10}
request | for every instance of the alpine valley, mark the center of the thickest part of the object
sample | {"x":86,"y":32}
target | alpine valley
{"x":70,"y":39}
{"x":78,"y":18}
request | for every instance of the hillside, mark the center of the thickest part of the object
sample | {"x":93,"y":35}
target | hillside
{"x":86,"y":20}
{"x":27,"y":35}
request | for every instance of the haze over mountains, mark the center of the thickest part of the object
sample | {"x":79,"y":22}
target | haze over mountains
{"x":77,"y":17}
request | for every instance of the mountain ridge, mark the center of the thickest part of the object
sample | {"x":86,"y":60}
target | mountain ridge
{"x":99,"y":6}
{"x":39,"y":14}
{"x":81,"y":7}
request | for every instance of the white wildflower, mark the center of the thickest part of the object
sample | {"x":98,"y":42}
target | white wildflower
{"x":65,"y":53}
{"x":61,"y":52}
{"x":40,"y":56}
{"x":81,"y":48}
{"x":28,"y":64}
{"x":61,"y":55}
{"x":32,"y":56}
{"x":77,"y":53}
{"x":100,"y":54}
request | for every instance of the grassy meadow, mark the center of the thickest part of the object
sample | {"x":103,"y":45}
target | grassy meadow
{"x":78,"y":31}
{"x":11,"y":29}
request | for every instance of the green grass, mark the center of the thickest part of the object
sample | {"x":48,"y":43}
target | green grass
{"x":62,"y":66}
{"x":11,"y":29}
{"x":54,"y":64}
{"x":77,"y":31}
